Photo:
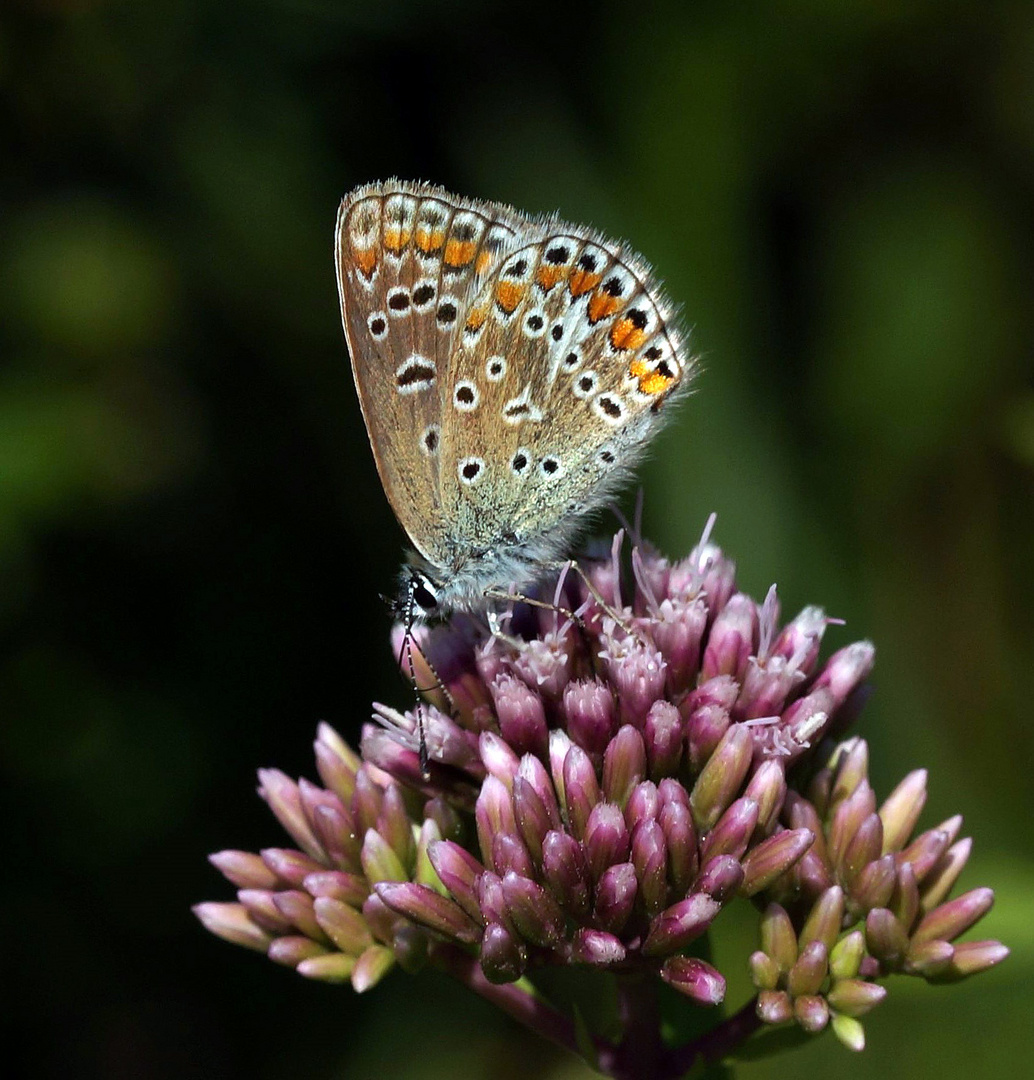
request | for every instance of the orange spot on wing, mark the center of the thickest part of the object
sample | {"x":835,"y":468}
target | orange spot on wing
{"x":650,"y":382}
{"x":366,"y":260}
{"x":549,"y":275}
{"x":582,"y":281}
{"x":459,"y":252}
{"x":396,"y":239}
{"x":508,"y":295}
{"x":484,"y":262}
{"x":476,"y":318}
{"x":602,"y":304}
{"x":428,"y":241}
{"x":624,"y":334}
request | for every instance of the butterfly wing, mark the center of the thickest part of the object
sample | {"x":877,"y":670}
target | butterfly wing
{"x":555,"y":386}
{"x":407,"y":257}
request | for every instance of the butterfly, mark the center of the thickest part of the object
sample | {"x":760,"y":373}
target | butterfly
{"x":510,"y":369}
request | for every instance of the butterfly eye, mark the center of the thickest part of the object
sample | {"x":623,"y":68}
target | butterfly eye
{"x":422,"y":594}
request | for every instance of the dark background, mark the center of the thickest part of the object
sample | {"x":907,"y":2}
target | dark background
{"x":193,"y":537}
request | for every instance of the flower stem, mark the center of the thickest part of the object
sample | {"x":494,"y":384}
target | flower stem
{"x":513,"y":999}
{"x":713,"y":1045}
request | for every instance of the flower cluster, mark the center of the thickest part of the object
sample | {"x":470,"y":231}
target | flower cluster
{"x":604,"y":773}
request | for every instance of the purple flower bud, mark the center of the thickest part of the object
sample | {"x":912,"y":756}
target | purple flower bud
{"x":808,"y":973}
{"x":764,"y":971}
{"x":885,"y":938}
{"x":330,"y":967}
{"x":451,"y":825}
{"x":428,"y":908}
{"x":823,"y":923}
{"x":812,"y":875}
{"x":336,"y":762}
{"x":638,"y":673}
{"x":336,"y":831}
{"x":615,"y":897}
{"x":901,"y":810}
{"x":650,"y":857}
{"x":502,"y":955}
{"x":246,"y":870}
{"x":522,"y":718}
{"x":533,"y":819}
{"x":534,"y":913}
{"x":348,"y":888}
{"x":905,"y":899}
{"x":508,"y":853}
{"x":532,"y":770}
{"x":493,"y":813}
{"x":774,"y":1007}
{"x":675,"y":927}
{"x":292,"y":950}
{"x":772,"y":858}
{"x":581,"y":790}
{"x":262,"y":910}
{"x":778,"y":938}
{"x":720,"y":878}
{"x":852,"y":769}
{"x":874,"y":886}
{"x":287,"y":866}
{"x":394,"y":824}
{"x":733,"y":832}
{"x":733,"y":638}
{"x":281,"y":793}
{"x":863,"y":848}
{"x":847,"y":818}
{"x":296,"y":906}
{"x":606,"y":838}
{"x":855,"y":997}
{"x":379,"y":917}
{"x":716,"y":786}
{"x":811,"y":1012}
{"x":799,"y":641}
{"x":767,"y":788}
{"x":766,"y":686}
{"x":383,"y":750}
{"x":591,"y":715}
{"x":232,"y":923}
{"x":380,"y":863}
{"x":721,"y":691}
{"x":662,"y":734}
{"x":680,"y":839}
{"x":845,"y":958}
{"x":458,"y":871}
{"x":695,"y":978}
{"x":677,"y":629}
{"x":559,"y":744}
{"x":596,"y":947}
{"x":931,"y":959}
{"x":371,"y":967}
{"x":947,"y":922}
{"x":941,"y":879}
{"x":926,"y":851}
{"x":845,"y":670}
{"x":972,"y":957}
{"x":624,"y":764}
{"x":491,"y":900}
{"x":566,"y":872}
{"x":644,"y":804}
{"x":366,"y":802}
{"x":343,"y":925}
{"x":498,"y":757}
{"x":704,"y":730}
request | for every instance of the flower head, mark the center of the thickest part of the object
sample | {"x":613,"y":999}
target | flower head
{"x":604,"y":774}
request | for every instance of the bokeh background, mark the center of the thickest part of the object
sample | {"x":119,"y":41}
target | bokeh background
{"x":193,"y":537}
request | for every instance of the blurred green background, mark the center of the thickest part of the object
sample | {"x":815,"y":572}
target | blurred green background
{"x":193,"y":537}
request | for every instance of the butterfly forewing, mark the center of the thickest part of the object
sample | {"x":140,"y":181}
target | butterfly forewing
{"x":510,"y":372}
{"x":407,"y":255}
